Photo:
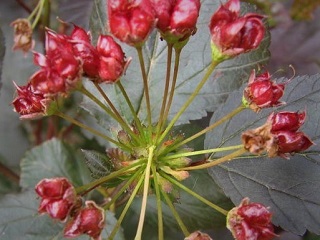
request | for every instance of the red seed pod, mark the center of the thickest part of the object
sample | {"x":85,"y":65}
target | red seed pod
{"x":28,"y":104}
{"x":66,"y":65}
{"x":262,"y":92}
{"x":278,"y":136}
{"x":255,"y":213}
{"x":55,"y":43}
{"x":82,"y":49}
{"x":60,"y":56}
{"x":79,"y":34}
{"x":131,"y":21}
{"x":89,"y":58}
{"x":60,"y":69}
{"x":286,"y":121}
{"x":89,"y":220}
{"x":250,"y":221}
{"x":232,"y":34}
{"x":112,"y":60}
{"x":176,"y":20}
{"x":58,"y":197}
{"x":291,"y":142}
{"x":107,"y":47}
{"x":48,"y":83}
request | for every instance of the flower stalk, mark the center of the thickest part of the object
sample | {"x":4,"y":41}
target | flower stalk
{"x":189,"y":101}
{"x":174,"y":81}
{"x":123,"y":189}
{"x":197,"y":196}
{"x":92,"y":185}
{"x":133,"y":112}
{"x":200,"y":152}
{"x":146,"y":87}
{"x":175,"y":214}
{"x":89,"y":129}
{"x":207,"y":129}
{"x":36,"y":13}
{"x":123,"y":124}
{"x":218,"y":161}
{"x":162,"y":117}
{"x":145,"y":194}
{"x":125,"y":210}
{"x":159,"y":202}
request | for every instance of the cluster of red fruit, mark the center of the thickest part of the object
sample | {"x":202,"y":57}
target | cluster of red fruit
{"x":60,"y":201}
{"x":67,"y":59}
{"x":250,"y":221}
{"x":279,"y":136}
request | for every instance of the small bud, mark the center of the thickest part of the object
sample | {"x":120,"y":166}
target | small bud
{"x":262,"y":92}
{"x":123,"y":137}
{"x":22,"y":35}
{"x":250,"y":221}
{"x":232,"y":34}
{"x":112,"y":59}
{"x":119,"y":158}
{"x":179,"y":162}
{"x":198,"y":236}
{"x":89,"y":220}
{"x":131,"y":21}
{"x":179,"y":175}
{"x":165,"y":185}
{"x":58,"y":197}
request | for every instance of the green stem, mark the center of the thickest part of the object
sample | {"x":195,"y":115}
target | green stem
{"x":123,"y":188}
{"x":175,"y":214}
{"x":188,"y":102}
{"x":159,"y":203}
{"x":35,"y":10}
{"x":39,"y":12}
{"x":174,"y":82}
{"x":205,"y":130}
{"x":105,"y":97}
{"x":202,"y":199}
{"x":133,"y":112}
{"x":124,"y":211}
{"x":146,"y":87}
{"x":145,"y":194}
{"x":218,"y":161}
{"x":83,"y":90}
{"x":46,"y":13}
{"x":89,"y":129}
{"x":213,"y":150}
{"x":166,"y":89}
{"x":123,"y":124}
{"x":88,"y":187}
